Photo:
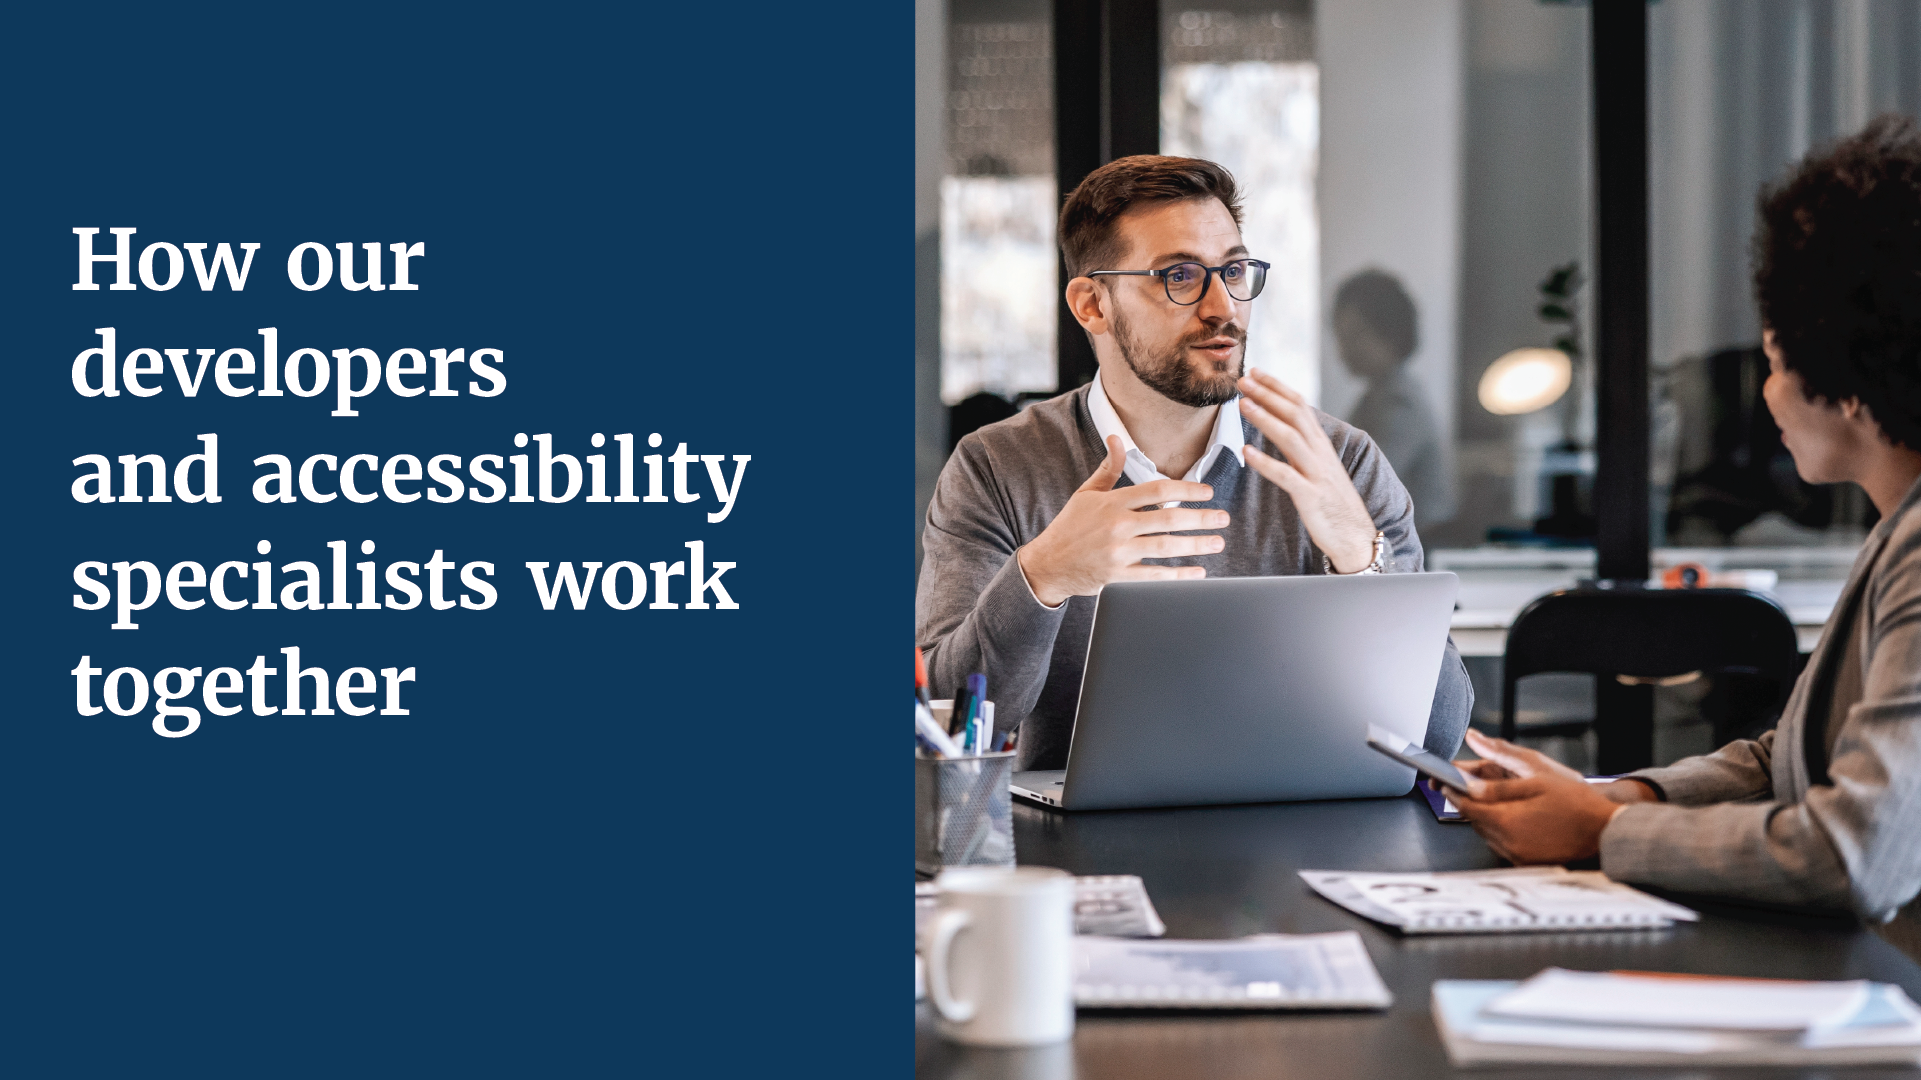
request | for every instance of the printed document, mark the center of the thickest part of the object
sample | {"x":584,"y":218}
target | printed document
{"x":1474,"y":901}
{"x":1264,"y":971}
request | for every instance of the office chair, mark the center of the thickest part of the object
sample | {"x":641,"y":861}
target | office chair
{"x":1632,"y":639}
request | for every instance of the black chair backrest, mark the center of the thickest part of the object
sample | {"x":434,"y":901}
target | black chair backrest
{"x":1649,"y":633}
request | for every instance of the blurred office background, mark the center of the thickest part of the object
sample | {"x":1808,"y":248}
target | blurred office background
{"x":1430,"y":162}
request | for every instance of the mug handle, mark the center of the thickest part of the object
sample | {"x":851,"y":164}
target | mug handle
{"x":947,"y":924}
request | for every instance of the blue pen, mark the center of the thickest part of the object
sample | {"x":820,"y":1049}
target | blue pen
{"x":977,"y":714}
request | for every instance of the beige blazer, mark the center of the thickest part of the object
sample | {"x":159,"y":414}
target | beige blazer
{"x":1825,"y":810}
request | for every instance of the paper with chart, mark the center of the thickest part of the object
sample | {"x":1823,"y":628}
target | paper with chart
{"x":1470,"y":901}
{"x":1115,"y":905}
{"x":1265,"y":971}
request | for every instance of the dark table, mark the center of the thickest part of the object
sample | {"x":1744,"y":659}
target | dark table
{"x":1220,"y":872}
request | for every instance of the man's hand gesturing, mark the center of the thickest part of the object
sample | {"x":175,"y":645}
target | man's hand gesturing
{"x":1313,"y":475}
{"x":1101,"y":536}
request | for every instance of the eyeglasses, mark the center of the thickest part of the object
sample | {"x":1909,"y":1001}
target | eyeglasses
{"x":1186,"y":283}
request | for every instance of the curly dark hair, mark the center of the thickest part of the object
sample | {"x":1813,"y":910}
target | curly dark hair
{"x":1837,"y":272}
{"x":1089,"y":235}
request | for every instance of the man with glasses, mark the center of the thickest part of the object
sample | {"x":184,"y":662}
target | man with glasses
{"x":1033,"y":515}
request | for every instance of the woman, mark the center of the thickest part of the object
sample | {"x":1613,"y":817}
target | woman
{"x":1825,"y":810}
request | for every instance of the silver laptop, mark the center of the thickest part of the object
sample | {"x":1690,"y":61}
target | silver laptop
{"x":1236,"y":690}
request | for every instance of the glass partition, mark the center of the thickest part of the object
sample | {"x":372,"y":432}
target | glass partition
{"x":1526,"y":188}
{"x":998,"y":288}
{"x":1737,"y":93}
{"x":1241,"y":87}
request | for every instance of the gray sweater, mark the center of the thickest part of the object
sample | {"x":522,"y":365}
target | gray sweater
{"x":1007,"y":481}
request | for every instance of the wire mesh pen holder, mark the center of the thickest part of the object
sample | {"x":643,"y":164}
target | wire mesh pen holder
{"x":963,"y":812}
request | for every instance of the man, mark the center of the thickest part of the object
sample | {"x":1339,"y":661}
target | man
{"x":1375,"y":333}
{"x":1033,"y":515}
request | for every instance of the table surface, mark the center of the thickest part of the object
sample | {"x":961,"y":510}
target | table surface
{"x":1222,"y":872}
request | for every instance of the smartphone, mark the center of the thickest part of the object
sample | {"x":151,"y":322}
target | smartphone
{"x":1416,"y":758}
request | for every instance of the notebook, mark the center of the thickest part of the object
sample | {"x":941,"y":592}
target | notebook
{"x":1591,"y":1018}
{"x":1660,"y":1000}
{"x":1264,"y":971}
{"x":1481,"y":901}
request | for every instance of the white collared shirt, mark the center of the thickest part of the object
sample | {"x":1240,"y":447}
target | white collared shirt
{"x":1227,"y":437}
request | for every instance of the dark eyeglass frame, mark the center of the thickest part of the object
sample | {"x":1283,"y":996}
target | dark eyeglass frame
{"x":1207,"y":278}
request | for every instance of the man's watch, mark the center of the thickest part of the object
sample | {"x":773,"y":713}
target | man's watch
{"x":1378,"y":566}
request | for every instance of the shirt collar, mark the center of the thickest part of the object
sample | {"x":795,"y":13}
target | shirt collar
{"x":1227,"y":436}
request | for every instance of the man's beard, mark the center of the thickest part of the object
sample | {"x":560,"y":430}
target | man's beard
{"x":1173,"y":376}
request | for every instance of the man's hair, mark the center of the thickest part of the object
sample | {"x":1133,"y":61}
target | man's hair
{"x":1384,"y":306}
{"x":1837,"y":273}
{"x":1089,"y":233}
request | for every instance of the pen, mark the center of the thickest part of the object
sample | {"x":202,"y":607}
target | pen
{"x":963,"y":711}
{"x":927,"y":731}
{"x":976,"y":698}
{"x":1011,"y":739}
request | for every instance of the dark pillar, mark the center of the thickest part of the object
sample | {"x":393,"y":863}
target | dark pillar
{"x":1107,"y":102}
{"x":1078,"y":146}
{"x":1133,"y":78}
{"x":1621,"y":287}
{"x":1624,"y":715}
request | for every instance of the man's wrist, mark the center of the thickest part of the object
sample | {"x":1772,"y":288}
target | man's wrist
{"x":1354,"y":557}
{"x":1020,"y":563}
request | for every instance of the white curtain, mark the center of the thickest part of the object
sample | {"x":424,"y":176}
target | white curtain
{"x":1738,"y":90}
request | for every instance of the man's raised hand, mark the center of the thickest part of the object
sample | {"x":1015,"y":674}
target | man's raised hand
{"x":1101,"y":535}
{"x":1313,"y":474}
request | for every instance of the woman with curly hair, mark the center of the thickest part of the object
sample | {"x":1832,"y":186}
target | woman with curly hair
{"x":1825,"y":810}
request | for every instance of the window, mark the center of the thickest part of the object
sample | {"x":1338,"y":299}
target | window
{"x":998,"y":264}
{"x":1241,"y":88}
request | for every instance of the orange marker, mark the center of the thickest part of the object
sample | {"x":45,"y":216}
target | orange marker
{"x":920,"y":678}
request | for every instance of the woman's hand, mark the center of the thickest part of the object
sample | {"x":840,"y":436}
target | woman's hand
{"x":1532,"y":809}
{"x":1502,"y":760}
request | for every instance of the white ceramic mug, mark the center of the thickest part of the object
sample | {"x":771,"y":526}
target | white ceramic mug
{"x":1000,"y":956}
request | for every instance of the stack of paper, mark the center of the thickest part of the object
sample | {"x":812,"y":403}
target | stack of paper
{"x":1477,"y":901}
{"x":1578,"y":1017}
{"x":1265,"y":971}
